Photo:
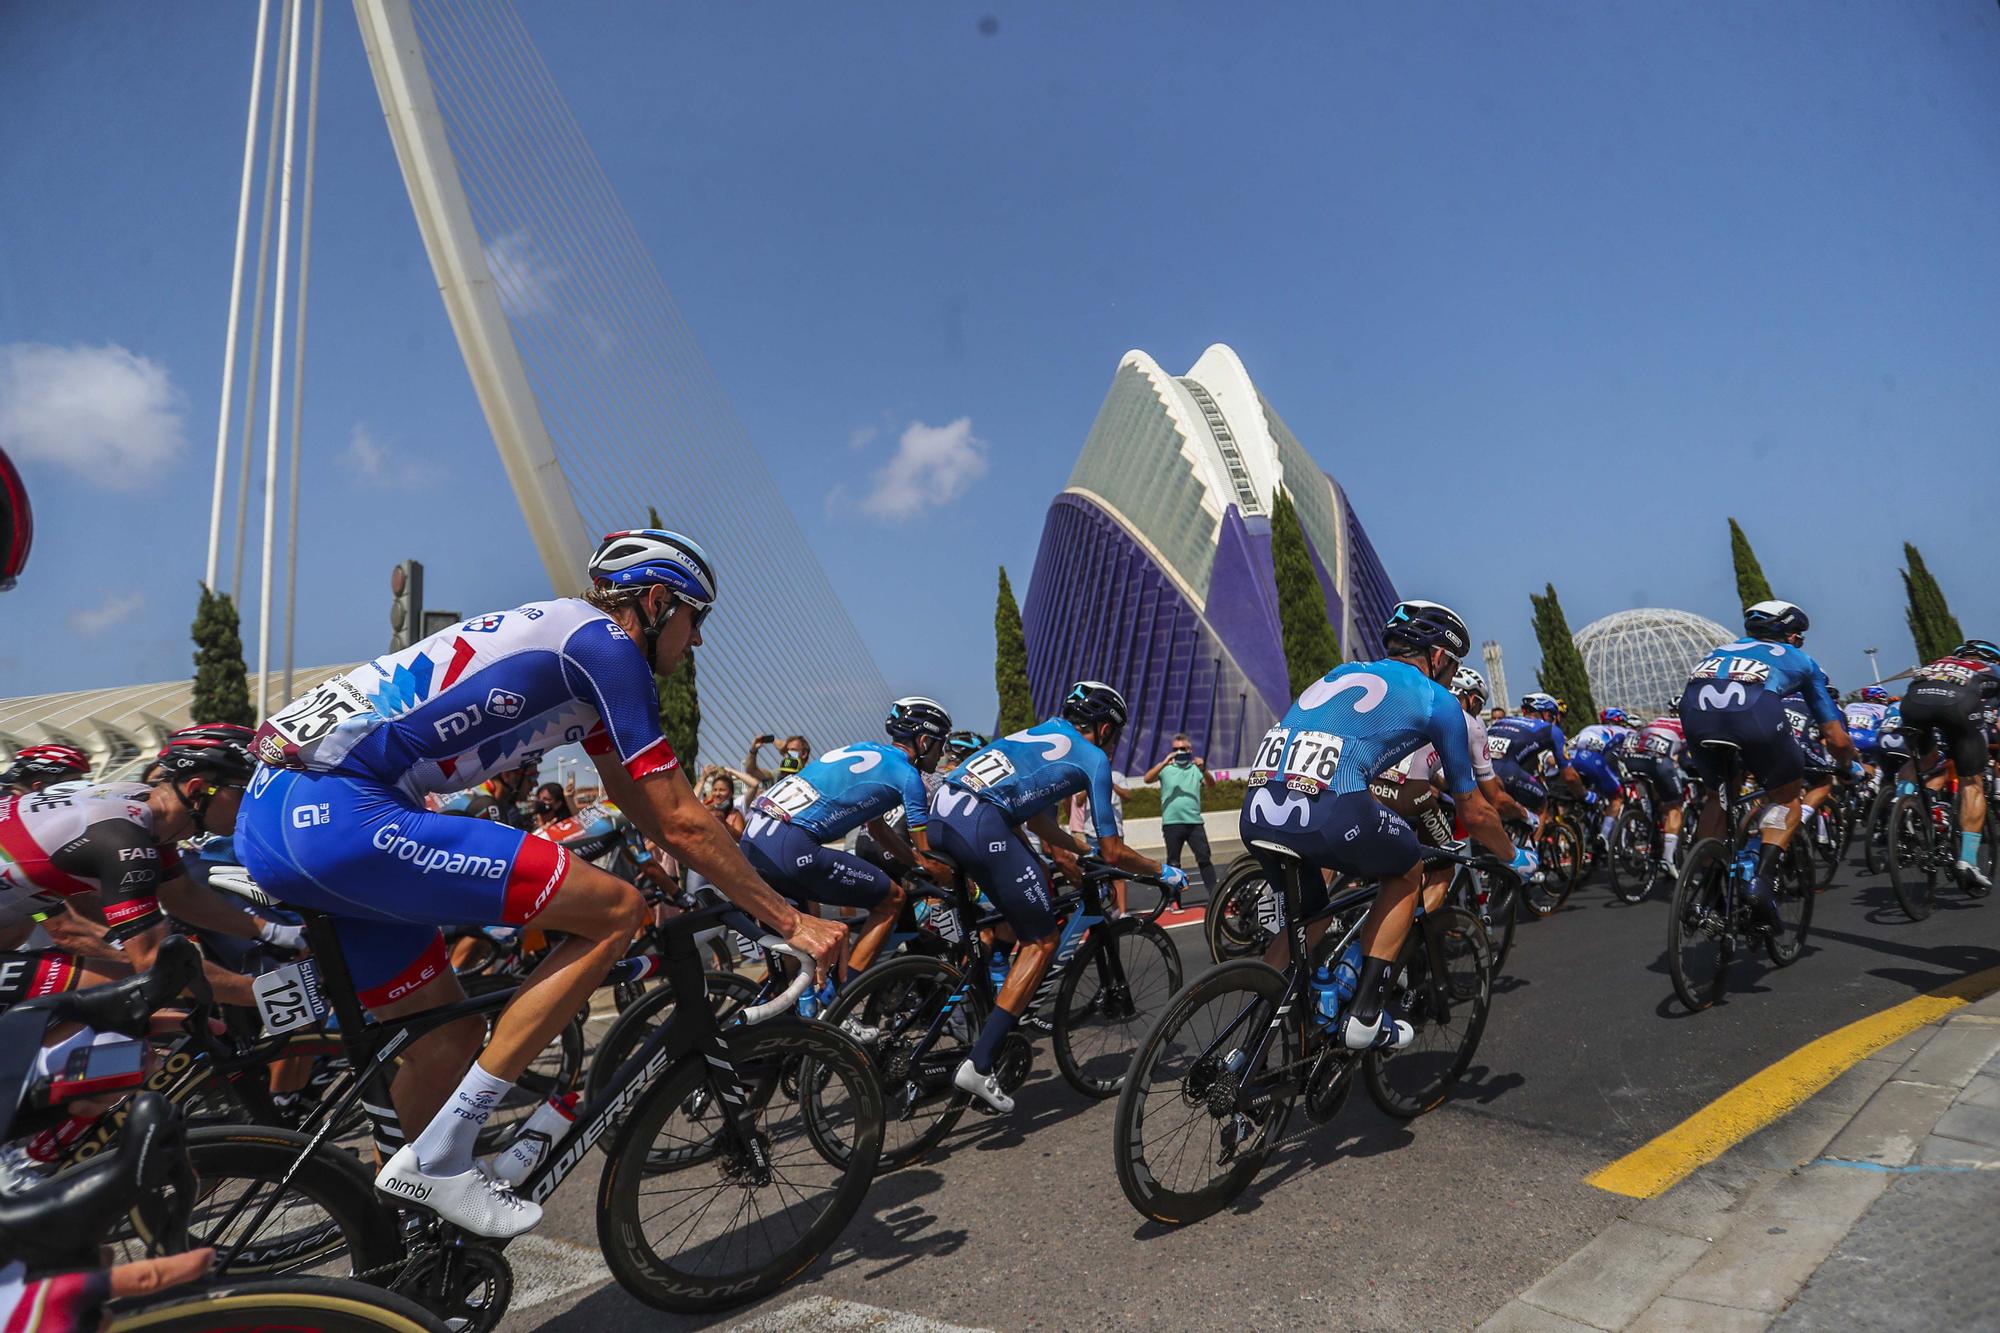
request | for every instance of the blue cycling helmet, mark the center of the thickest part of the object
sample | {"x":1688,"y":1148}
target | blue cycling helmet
{"x":1539,"y":702}
{"x":1874,"y":694}
{"x":1614,"y":717}
{"x":645,"y":556}
{"x":961,"y":745}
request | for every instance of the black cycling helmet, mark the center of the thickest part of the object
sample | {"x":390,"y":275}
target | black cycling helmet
{"x":1983,"y":649}
{"x":1774,"y":620}
{"x":913,"y":717}
{"x":1425,"y":625}
{"x":1673,"y":707}
{"x":221,"y":749}
{"x":1090,"y":702}
{"x":963,"y":744}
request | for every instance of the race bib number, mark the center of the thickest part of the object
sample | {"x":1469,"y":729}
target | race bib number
{"x":790,"y":797}
{"x":987,"y":767}
{"x":285,"y":734}
{"x":1659,"y":745}
{"x":1270,"y":912}
{"x":945,"y":922}
{"x":1312,"y":761}
{"x":289,"y":997}
{"x":1497,"y":746}
{"x":1270,"y":753}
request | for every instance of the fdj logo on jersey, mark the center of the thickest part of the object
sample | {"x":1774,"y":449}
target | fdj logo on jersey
{"x":504,"y":703}
{"x":457,"y":724}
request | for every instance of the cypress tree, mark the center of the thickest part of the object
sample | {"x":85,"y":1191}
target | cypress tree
{"x":1751,"y":585}
{"x":680,"y":704}
{"x":1010,"y":662}
{"x":221,"y":682}
{"x":1932,"y":624}
{"x":1562,"y":672}
{"x":1311,"y":647}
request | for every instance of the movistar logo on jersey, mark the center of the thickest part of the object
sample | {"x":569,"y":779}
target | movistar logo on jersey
{"x":392,"y":840}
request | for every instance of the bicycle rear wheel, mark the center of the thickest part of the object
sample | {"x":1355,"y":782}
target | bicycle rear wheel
{"x":1116,"y":988}
{"x":332,"y":1305}
{"x":1496,"y":913}
{"x":1912,"y":870}
{"x":1875,"y":828}
{"x":900,"y":998}
{"x":1186,"y":1140}
{"x":690,"y":1218}
{"x":1409,"y":1082}
{"x":1231,"y":925}
{"x":1561,"y":853}
{"x":1794,"y":894}
{"x":1632,"y":853}
{"x":1698,"y":927}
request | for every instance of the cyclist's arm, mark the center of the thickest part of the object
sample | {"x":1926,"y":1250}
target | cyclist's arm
{"x":1044,"y":825}
{"x":1837,"y":740}
{"x":665,"y":809}
{"x":1508,"y":807}
{"x":1112,"y":848}
{"x":199,"y":905}
{"x":229,"y":987}
{"x":78,"y":934}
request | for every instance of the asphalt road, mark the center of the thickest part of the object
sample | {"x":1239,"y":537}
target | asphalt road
{"x":1365,"y":1222}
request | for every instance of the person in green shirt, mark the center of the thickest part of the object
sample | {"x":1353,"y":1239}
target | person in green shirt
{"x":1181,"y":775}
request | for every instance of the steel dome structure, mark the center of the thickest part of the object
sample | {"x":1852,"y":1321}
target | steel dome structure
{"x":1639,"y":659}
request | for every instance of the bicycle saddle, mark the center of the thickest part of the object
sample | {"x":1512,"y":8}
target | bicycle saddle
{"x":60,"y":1222}
{"x":126,"y":1006}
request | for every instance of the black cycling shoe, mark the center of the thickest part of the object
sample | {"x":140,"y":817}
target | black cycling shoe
{"x":1763,"y":909}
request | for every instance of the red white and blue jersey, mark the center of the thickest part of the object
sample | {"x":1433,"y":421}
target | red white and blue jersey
{"x":1602,"y":739}
{"x":1662,"y":738}
{"x":483,"y":697}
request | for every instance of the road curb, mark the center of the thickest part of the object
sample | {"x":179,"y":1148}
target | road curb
{"x":1731,"y":1245}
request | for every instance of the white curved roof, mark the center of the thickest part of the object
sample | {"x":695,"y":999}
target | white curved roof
{"x":122,"y":727}
{"x":1639,"y":659}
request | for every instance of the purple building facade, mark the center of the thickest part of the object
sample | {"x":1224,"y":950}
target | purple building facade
{"x":1154,"y":571}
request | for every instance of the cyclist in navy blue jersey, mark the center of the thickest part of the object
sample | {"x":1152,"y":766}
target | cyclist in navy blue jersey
{"x":1735,"y":698}
{"x":1518,"y":743}
{"x":842,"y":790}
{"x":1309,"y":792}
{"x":981,"y":816}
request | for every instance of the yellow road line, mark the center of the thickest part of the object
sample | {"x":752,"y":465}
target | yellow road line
{"x":1770,"y":1093}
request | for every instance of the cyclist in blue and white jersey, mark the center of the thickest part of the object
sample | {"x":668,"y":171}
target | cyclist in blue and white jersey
{"x":335,"y":821}
{"x":1309,"y":792}
{"x":1598,"y":755}
{"x":1518,"y":743}
{"x":1863,"y":719}
{"x":1736,"y":696}
{"x":981,"y":818}
{"x":842,"y":790}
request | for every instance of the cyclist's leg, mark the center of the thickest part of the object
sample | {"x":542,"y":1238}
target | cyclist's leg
{"x":801,"y":869}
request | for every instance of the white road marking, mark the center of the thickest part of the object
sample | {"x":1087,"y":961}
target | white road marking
{"x":824,"y":1312}
{"x":545,"y":1269}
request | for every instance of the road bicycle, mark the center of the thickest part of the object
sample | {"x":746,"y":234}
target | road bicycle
{"x":1711,"y":920}
{"x":1212,"y":1085}
{"x":719,"y":1183}
{"x":1106,"y":983}
{"x":1921,"y":844}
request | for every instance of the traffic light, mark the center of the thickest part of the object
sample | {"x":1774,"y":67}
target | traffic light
{"x":406,"y":604}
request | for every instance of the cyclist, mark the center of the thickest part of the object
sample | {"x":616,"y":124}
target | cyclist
{"x":1950,"y":696}
{"x":335,"y":821}
{"x":962,"y":745}
{"x":1863,"y":719}
{"x":792,"y":823}
{"x":1655,"y":760}
{"x":1308,"y":791}
{"x":1597,"y":754}
{"x":39,"y":766}
{"x":982,"y":815}
{"x":1735,"y":696}
{"x":1816,"y":763}
{"x":85,"y":870}
{"x":1517,"y":743}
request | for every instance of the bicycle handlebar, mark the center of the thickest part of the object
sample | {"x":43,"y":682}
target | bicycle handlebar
{"x":757,"y":1013}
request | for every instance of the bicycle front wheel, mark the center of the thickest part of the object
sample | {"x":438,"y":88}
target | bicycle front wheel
{"x":1698,"y":927}
{"x":728,"y":992}
{"x":693,"y":1217}
{"x":1193,"y":1123}
{"x":1912,"y":870}
{"x":332,"y":1305}
{"x":1115,"y":990}
{"x":1448,"y":1013}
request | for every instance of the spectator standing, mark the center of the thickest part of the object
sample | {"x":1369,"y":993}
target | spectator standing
{"x":1181,"y":776}
{"x":792,"y":757}
{"x":1080,"y":826}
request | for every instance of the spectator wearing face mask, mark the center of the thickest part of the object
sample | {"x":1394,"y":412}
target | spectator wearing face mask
{"x":792,"y":757}
{"x":551,"y":804}
{"x":1181,"y":776}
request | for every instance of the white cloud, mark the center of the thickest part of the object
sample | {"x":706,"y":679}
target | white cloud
{"x":526,"y":281}
{"x":933,"y":466}
{"x":109,"y":415}
{"x":375,"y":464}
{"x":861,"y":437}
{"x":113,"y":610}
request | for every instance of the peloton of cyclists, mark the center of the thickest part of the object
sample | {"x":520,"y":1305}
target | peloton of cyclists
{"x":1952,"y":696}
{"x":1597,"y":754}
{"x":1518,"y":743}
{"x":1654,"y":759}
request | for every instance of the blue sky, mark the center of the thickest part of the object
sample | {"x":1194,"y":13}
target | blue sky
{"x":1552,"y":289}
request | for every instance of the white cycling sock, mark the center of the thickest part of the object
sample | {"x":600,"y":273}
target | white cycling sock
{"x":446,"y":1146}
{"x":1669,"y":844}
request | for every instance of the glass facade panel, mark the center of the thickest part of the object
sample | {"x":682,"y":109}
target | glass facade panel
{"x":1133,"y":459}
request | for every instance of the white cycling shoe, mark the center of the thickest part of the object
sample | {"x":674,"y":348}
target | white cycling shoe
{"x":985,"y":1087}
{"x":1971,"y":877}
{"x":1386,"y":1033}
{"x":471,"y":1200}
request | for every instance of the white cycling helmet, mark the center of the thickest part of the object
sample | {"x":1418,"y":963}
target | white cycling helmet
{"x":1467,"y":681}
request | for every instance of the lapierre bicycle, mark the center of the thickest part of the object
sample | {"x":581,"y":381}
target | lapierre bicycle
{"x":1106,"y":984}
{"x":1212,"y":1086}
{"x":724,"y":1178}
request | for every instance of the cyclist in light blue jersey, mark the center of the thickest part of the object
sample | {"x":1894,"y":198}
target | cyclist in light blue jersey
{"x":1863,"y":719}
{"x":1735,"y":699}
{"x":1309,"y":792}
{"x":981,"y":816}
{"x":835,"y":794}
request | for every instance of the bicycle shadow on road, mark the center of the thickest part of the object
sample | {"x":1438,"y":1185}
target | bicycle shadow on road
{"x":1949,"y":960}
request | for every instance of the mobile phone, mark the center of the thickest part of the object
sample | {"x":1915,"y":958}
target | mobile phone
{"x":91,"y":1071}
{"x":767,"y":740}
